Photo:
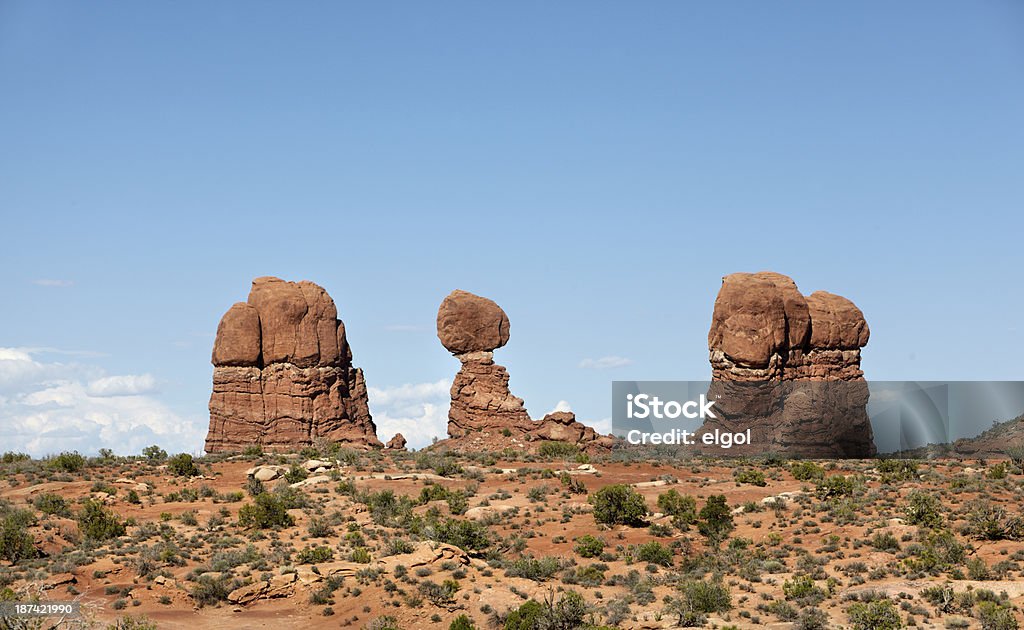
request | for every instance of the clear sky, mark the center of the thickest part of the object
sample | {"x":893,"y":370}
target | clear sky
{"x":594,"y":167}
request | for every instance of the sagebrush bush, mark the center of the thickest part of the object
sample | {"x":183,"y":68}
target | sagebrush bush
{"x":619,"y":504}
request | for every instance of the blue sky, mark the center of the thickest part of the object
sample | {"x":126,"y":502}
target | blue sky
{"x":595,"y":168}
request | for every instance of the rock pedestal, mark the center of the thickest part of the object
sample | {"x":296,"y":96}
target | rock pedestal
{"x":484,"y":414}
{"x":283,"y":374}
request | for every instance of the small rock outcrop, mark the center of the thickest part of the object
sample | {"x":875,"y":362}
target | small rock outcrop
{"x":484,"y":414}
{"x":787,"y":367}
{"x":283,"y":374}
{"x":396,"y":443}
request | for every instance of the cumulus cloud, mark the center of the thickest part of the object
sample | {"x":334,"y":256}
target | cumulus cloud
{"x":605,"y":363}
{"x":51,"y":282}
{"x":419,"y":411}
{"x":124,"y":385}
{"x":563,"y":405}
{"x":47,"y":407}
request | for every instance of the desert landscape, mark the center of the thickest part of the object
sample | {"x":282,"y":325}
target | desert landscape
{"x":299,"y":516}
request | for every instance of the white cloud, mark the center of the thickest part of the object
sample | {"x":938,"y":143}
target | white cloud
{"x":51,"y":282}
{"x":419,"y":411}
{"x":47,"y":407}
{"x":563,"y":405}
{"x":125,"y":385}
{"x":605,"y":363}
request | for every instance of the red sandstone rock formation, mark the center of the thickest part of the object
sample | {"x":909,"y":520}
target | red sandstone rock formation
{"x":397,"y":443}
{"x":788,"y":368}
{"x":283,"y":374}
{"x":484,"y":415}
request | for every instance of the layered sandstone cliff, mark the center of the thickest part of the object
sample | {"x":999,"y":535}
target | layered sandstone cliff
{"x":283,"y":374}
{"x":787,"y":367}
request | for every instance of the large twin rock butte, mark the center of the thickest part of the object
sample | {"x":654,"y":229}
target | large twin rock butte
{"x":283,"y":374}
{"x":484,"y":415}
{"x":787,"y":367}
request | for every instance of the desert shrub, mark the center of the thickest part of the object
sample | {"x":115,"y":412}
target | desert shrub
{"x":803,"y":590}
{"x":806,"y":471}
{"x":536,"y":569}
{"x":715,"y":522}
{"x":211,"y":589}
{"x":812,"y":619}
{"x":385,"y":508}
{"x":295,"y":474}
{"x":697,"y":598}
{"x":567,"y":613}
{"x":154,"y":453}
{"x":11,"y":457}
{"x":67,"y":462}
{"x":994,"y":616}
{"x":654,"y":552}
{"x":939,"y":551}
{"x":923,"y":509}
{"x":470,"y":536}
{"x":834,"y":487}
{"x":619,"y":504}
{"x":97,"y":522}
{"x":750,"y":476}
{"x":557,"y":450}
{"x":49,"y":503}
{"x":16,"y":544}
{"x":182,"y":465}
{"x":880,"y":614}
{"x":132,"y":623}
{"x":682,"y":508}
{"x":893,"y":470}
{"x":314,"y":555}
{"x":319,"y":528}
{"x":588,"y":546}
{"x":447,"y":467}
{"x":988,"y":521}
{"x":572,"y":484}
{"x":1016,"y":455}
{"x":885,"y":541}
{"x":462,"y":622}
{"x":267,"y":511}
{"x":997,"y":471}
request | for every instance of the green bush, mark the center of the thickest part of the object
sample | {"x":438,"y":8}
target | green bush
{"x":988,"y":521}
{"x":697,"y":598}
{"x":314,"y":555}
{"x":893,"y":470}
{"x":923,"y":509}
{"x":557,"y":450}
{"x":49,"y":503}
{"x":619,"y":504}
{"x":880,"y":614}
{"x":803,"y":590}
{"x":265,"y":512}
{"x":834,"y":487}
{"x":154,"y":453}
{"x":567,"y":614}
{"x":462,"y":622}
{"x":588,"y":546}
{"x":682,"y":508}
{"x":806,"y":471}
{"x":470,"y":536}
{"x":67,"y":462}
{"x":11,"y":457}
{"x":183,"y":465}
{"x":210,"y":589}
{"x":536,"y":569}
{"x":295,"y":474}
{"x":715,"y":522}
{"x":16,"y":544}
{"x":994,"y":616}
{"x":96,"y":522}
{"x":750,"y":476}
{"x":654,"y":552}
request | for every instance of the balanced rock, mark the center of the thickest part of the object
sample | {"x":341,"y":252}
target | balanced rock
{"x":283,"y":374}
{"x":484,"y":414}
{"x":787,"y":367}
